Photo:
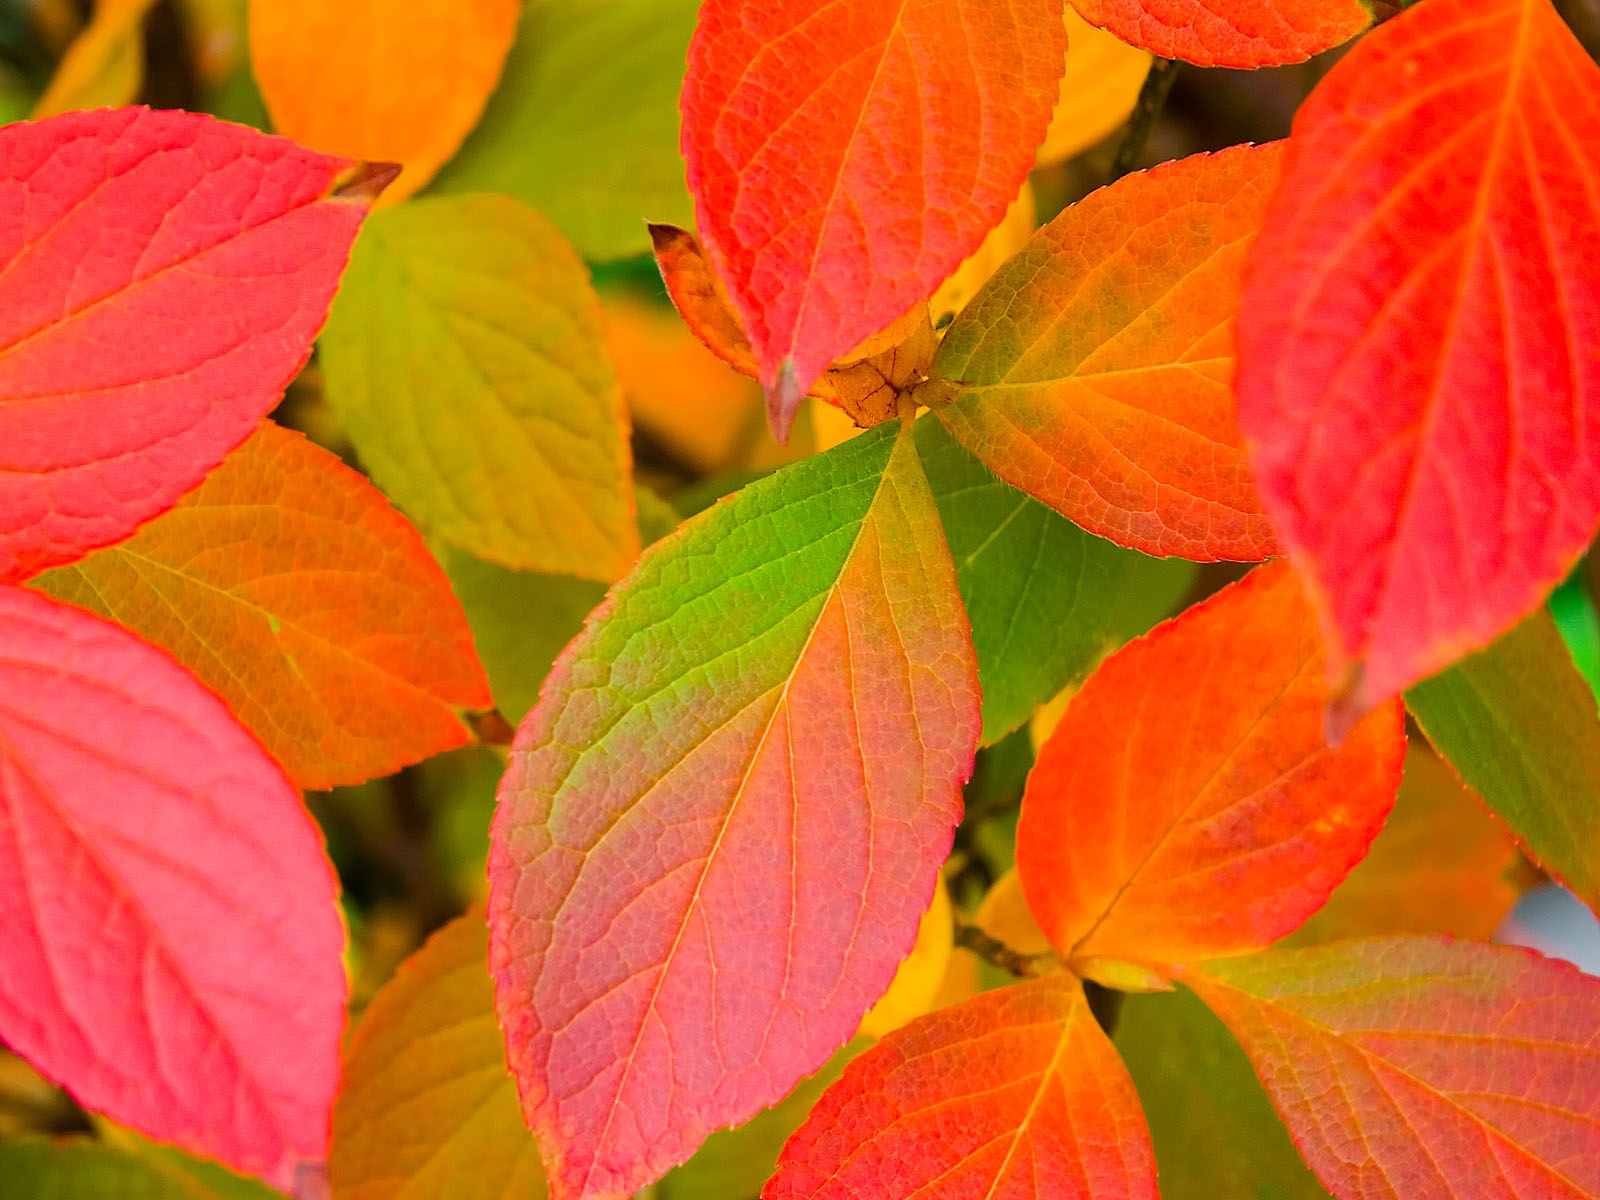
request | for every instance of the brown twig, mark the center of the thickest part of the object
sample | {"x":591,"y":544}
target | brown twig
{"x":997,"y":953}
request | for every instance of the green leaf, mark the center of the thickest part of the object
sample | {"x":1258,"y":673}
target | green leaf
{"x":584,"y":124}
{"x":1046,"y":599}
{"x":78,"y":1169}
{"x":1215,"y":1131}
{"x":466,"y":356}
{"x":1519,"y":725}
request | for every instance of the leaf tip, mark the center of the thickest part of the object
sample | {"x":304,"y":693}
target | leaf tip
{"x":783,"y":401}
{"x":364,"y":182}
{"x":1348,"y":702}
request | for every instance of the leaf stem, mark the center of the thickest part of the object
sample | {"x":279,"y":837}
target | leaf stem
{"x":1152,"y":99}
{"x":995,"y":952}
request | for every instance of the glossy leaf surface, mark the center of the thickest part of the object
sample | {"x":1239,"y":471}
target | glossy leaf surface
{"x":1518,"y":723}
{"x":466,"y":355}
{"x":1414,"y":1068}
{"x":1441,"y":864}
{"x":173,"y":958}
{"x":725,"y":817}
{"x":376,"y":80}
{"x":584,"y":124}
{"x":1423,"y":415}
{"x":1231,"y":33}
{"x":427,"y":1107}
{"x":1096,"y":366}
{"x":1215,"y":1133}
{"x":161,"y":278}
{"x":1046,"y":599}
{"x":290,"y":587}
{"x":1187,"y":805}
{"x":1014,"y":1093}
{"x":887,"y":138}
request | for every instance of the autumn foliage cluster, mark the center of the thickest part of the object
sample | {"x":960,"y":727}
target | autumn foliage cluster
{"x":905,"y":814}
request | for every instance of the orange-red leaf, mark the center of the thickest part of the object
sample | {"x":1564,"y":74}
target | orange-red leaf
{"x":1231,"y":33}
{"x":1416,"y":367}
{"x":378,"y":80}
{"x":162,"y":275}
{"x":169,"y":929}
{"x":726,"y":814}
{"x":845,"y":157}
{"x":1015,"y":1094}
{"x":1412,"y":1068}
{"x":1187,"y":806}
{"x":288,"y":584}
{"x":1096,"y":366}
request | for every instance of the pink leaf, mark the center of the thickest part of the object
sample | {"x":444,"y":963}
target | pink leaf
{"x":169,"y":932}
{"x":162,"y":276}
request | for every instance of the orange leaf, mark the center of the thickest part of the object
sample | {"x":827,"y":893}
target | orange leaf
{"x":1416,"y":1067}
{"x":1417,"y":374}
{"x":1096,"y":366}
{"x":383,"y":81}
{"x":1014,"y":1093}
{"x":1231,"y":33}
{"x":288,"y":584}
{"x":1187,"y":807}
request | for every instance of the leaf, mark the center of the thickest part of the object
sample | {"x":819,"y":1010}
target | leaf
{"x":1013,"y":1093}
{"x":104,"y":66}
{"x":1098,"y":92}
{"x":1441,"y":865}
{"x":755,"y":746}
{"x":172,"y":958}
{"x":1415,"y":1067}
{"x":1412,"y":378}
{"x":466,"y":356}
{"x":736,"y":1162}
{"x":584,"y":125}
{"x":428,"y":1108}
{"x":1519,"y":724}
{"x":289,"y":586}
{"x":1215,"y":1134}
{"x":1121,"y":418}
{"x":998,"y":245}
{"x":378,"y":80}
{"x":132,"y":361}
{"x":921,"y":973}
{"x":844,"y":158}
{"x":1231,"y":33}
{"x":77,"y":1168}
{"x":1187,"y":806}
{"x":1046,"y":599}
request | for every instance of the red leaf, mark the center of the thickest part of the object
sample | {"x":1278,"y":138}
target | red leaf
{"x":1016,"y":1093}
{"x":169,"y":928}
{"x":1412,"y":1068}
{"x":1230,"y":33}
{"x":1416,"y":374}
{"x":1186,"y":806}
{"x":162,"y":276}
{"x":724,"y":819}
{"x":844,"y":158}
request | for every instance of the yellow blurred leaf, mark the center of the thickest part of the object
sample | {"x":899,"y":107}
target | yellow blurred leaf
{"x":380,"y":81}
{"x":428,"y":1107}
{"x":921,"y":975}
{"x":1004,"y":916}
{"x":1004,"y":240}
{"x":1102,"y":81}
{"x":104,"y":66}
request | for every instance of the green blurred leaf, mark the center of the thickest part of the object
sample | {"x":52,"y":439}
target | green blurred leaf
{"x":1215,"y":1132}
{"x":466,"y":356}
{"x":1519,"y":725}
{"x":1046,"y":599}
{"x":584,"y":124}
{"x":78,"y":1169}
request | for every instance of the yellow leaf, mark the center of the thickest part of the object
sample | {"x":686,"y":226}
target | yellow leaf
{"x":1103,"y":78}
{"x":380,"y":81}
{"x":104,"y":66}
{"x":921,"y":975}
{"x":1004,"y":240}
{"x":428,"y":1107}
